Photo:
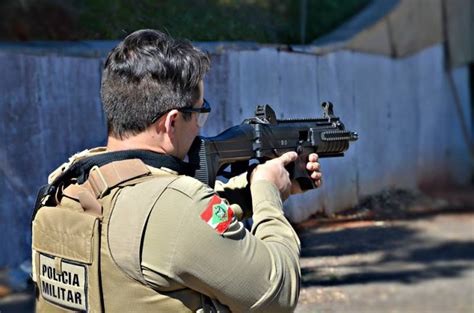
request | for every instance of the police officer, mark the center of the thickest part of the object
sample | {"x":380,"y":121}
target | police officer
{"x":168,"y":242}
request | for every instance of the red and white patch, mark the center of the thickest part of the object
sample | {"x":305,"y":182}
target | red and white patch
{"x":218,"y":214}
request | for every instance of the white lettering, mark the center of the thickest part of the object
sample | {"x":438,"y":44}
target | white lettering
{"x":65,"y":288}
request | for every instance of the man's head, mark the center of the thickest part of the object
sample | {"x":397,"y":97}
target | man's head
{"x":147,"y":74}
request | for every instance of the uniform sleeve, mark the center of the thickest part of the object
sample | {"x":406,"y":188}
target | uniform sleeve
{"x":236,"y":191}
{"x":246,"y":271}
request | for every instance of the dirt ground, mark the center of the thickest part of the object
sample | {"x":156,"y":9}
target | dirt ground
{"x":398,"y":251}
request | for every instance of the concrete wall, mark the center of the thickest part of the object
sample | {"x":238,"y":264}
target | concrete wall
{"x":403,"y":109}
{"x":49,"y":108}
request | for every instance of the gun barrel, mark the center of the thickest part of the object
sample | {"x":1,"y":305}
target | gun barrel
{"x":335,"y":135}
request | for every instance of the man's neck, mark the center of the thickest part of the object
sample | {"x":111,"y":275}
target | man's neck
{"x":142,"y":141}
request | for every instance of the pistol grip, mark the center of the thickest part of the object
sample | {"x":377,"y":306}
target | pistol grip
{"x":299,"y":173}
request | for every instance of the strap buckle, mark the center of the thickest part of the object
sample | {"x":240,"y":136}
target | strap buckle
{"x":98,"y":182}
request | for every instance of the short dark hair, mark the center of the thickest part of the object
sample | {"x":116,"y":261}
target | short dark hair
{"x":149,"y":73}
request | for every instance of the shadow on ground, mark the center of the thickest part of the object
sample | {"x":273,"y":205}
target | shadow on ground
{"x":384,"y":247}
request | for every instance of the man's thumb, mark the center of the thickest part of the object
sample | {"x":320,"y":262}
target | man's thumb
{"x":288,"y":157}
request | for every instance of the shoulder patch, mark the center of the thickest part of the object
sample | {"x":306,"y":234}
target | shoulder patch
{"x":218,"y":214}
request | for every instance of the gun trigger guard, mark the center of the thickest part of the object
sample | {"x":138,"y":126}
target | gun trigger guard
{"x":299,"y":150}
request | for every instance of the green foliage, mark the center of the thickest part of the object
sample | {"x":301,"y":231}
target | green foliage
{"x":211,"y":20}
{"x":265,"y":21}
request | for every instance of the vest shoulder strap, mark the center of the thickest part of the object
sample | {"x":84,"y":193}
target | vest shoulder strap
{"x":102,"y":179}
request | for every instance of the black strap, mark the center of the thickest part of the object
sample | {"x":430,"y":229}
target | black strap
{"x":79,"y":171}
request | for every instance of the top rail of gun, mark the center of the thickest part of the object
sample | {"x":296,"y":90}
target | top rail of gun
{"x":303,"y":120}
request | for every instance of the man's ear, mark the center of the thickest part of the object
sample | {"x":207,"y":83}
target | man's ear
{"x":170,"y":122}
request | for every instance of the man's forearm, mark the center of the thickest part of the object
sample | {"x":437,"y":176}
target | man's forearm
{"x":283,"y":244}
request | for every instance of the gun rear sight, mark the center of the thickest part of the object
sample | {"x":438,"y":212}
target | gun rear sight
{"x":266,"y":114}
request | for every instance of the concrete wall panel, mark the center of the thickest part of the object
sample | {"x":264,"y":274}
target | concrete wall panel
{"x":217,"y":93}
{"x":435,"y":115}
{"x":50,"y":109}
{"x":460,"y":136}
{"x":257,"y":82}
{"x":372,"y":84}
{"x":403,"y":122}
{"x":298,"y":74}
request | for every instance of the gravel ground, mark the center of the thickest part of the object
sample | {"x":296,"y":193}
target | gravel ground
{"x":398,"y":251}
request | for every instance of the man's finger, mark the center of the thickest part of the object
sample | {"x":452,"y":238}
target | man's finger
{"x":313,"y":157}
{"x":313,"y":166}
{"x":288,"y":157}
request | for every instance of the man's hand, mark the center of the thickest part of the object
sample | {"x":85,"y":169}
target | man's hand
{"x":274,"y":171}
{"x":313,"y":167}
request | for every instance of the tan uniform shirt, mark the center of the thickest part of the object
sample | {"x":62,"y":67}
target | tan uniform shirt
{"x":256,"y":270}
{"x":183,"y":256}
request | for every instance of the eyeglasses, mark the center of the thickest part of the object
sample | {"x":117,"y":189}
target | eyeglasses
{"x":203,"y":113}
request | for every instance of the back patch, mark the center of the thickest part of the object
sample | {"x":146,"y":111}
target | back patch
{"x":66,"y":288}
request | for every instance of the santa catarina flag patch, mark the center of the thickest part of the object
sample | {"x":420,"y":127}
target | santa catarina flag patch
{"x":218,"y":214}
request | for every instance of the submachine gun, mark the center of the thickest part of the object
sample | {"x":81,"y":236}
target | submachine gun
{"x":265,"y":137}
